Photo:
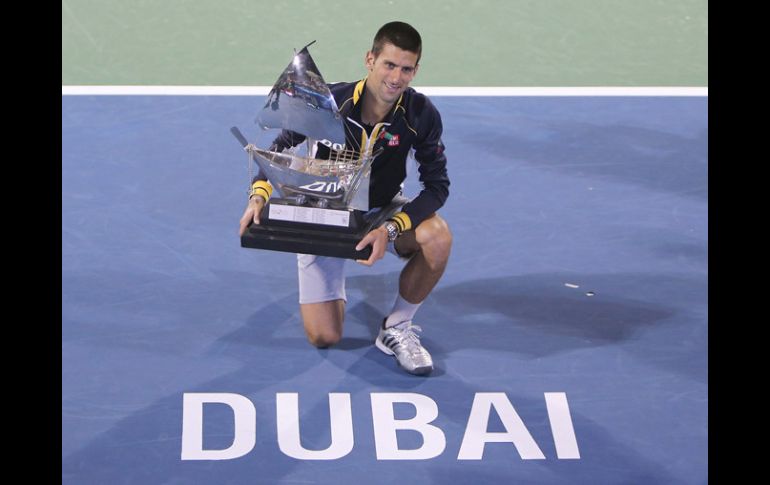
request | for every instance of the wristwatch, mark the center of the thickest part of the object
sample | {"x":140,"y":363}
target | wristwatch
{"x":392,"y":229}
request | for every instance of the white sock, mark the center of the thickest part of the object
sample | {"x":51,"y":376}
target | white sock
{"x":403,"y":311}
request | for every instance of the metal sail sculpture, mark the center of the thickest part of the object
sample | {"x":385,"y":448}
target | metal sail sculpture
{"x":300,"y":101}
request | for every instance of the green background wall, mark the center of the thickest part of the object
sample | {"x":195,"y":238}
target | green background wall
{"x":465,"y":42}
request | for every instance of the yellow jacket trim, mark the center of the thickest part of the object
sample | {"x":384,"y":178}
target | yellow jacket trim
{"x":262,"y":188}
{"x":403,"y":221}
{"x":358,"y":90}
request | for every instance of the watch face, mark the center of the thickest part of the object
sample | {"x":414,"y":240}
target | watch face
{"x":392,"y":231}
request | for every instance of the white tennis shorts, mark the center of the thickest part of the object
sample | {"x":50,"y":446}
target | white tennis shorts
{"x":322,"y":278}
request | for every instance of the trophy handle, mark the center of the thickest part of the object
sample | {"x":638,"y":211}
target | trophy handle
{"x":237,"y":134}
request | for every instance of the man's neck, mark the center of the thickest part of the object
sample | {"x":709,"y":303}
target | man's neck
{"x":372,"y":111}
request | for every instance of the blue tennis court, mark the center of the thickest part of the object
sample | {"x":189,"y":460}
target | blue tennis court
{"x":575,"y":300}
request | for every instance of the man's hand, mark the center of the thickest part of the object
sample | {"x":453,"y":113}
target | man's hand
{"x":378,"y":238}
{"x":251,"y":214}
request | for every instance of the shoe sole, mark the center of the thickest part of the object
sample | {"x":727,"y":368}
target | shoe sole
{"x":418,"y":371}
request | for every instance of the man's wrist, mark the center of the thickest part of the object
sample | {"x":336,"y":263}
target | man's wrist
{"x":391,"y":229}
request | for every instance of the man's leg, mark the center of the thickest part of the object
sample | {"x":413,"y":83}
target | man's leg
{"x":323,"y":322}
{"x":431,"y":244}
{"x":322,"y":298}
{"x":428,"y":248}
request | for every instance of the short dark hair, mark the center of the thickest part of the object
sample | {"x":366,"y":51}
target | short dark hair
{"x":401,"y":35}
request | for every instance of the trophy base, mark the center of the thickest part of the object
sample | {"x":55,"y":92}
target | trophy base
{"x":288,"y":228}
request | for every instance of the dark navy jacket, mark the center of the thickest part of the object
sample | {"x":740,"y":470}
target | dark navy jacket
{"x":414,"y":123}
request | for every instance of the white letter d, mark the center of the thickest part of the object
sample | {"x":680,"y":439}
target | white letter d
{"x":245,"y":433}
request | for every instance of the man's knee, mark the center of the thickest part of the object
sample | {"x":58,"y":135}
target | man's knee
{"x":435,"y":239}
{"x":323,"y":339}
{"x":323,"y":322}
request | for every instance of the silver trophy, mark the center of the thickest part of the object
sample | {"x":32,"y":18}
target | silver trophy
{"x":320,"y":203}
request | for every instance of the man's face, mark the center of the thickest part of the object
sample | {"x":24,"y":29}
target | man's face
{"x":390,"y":72}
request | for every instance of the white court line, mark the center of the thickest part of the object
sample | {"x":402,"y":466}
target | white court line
{"x":428,"y":90}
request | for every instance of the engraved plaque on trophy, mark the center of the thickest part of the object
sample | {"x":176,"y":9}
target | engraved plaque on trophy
{"x":319,"y":205}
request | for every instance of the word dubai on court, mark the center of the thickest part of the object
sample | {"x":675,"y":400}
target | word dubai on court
{"x":385,"y":425}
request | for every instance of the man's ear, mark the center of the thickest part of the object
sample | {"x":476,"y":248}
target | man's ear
{"x":369,"y":60}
